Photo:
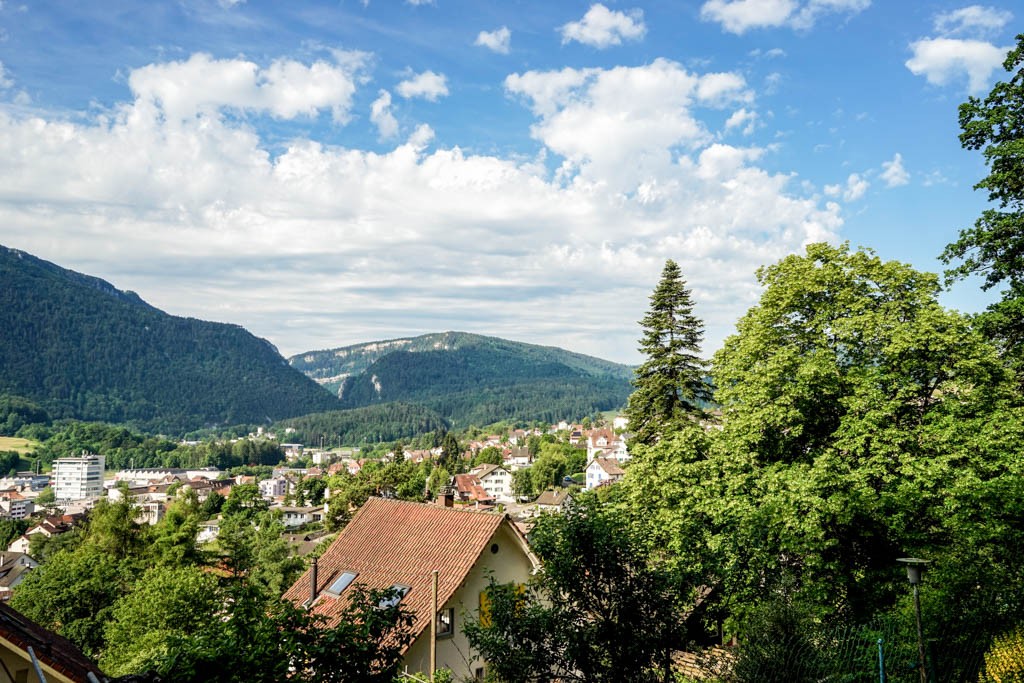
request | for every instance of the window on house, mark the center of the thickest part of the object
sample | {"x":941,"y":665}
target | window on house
{"x":398,"y":591}
{"x":341,"y":583}
{"x":446,"y":623}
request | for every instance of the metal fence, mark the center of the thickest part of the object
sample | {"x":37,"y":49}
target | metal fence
{"x":881,"y":652}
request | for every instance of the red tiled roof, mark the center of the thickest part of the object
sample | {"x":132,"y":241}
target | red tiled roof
{"x":469,"y":486}
{"x":53,"y":650}
{"x":392,"y":542}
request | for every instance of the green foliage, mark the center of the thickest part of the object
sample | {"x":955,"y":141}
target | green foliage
{"x":9,"y":462}
{"x":850,"y":401}
{"x":370,"y":424}
{"x":73,"y":593}
{"x":310,"y":491}
{"x":244,"y":501}
{"x":860,"y":422}
{"x":103,"y":354}
{"x":17,"y":412}
{"x":522,"y":483}
{"x":994,"y":246}
{"x":211,"y":506}
{"x":601,"y":610}
{"x":10,"y":529}
{"x":439,"y":477}
{"x":164,"y":605}
{"x":113,"y":530}
{"x":268,"y":644}
{"x":174,"y":537}
{"x":1004,"y":661}
{"x":670,"y":385}
{"x":451,"y":455}
{"x":548,"y":470}
{"x":491,"y":455}
{"x":780,"y":644}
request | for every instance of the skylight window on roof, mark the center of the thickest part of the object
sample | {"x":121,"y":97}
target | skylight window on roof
{"x":341,"y":583}
{"x":397,"y":592}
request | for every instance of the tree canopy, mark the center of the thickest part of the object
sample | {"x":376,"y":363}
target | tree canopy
{"x":599,"y":611}
{"x":994,"y":246}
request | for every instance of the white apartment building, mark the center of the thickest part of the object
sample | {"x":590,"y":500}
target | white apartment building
{"x":16,"y":509}
{"x":273,"y":488}
{"x":78,"y":478}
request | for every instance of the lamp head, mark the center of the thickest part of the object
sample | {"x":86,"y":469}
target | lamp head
{"x":915,"y":565}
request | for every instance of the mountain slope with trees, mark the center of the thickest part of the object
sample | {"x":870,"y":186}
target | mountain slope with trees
{"x":79,"y":347}
{"x":471,"y":379}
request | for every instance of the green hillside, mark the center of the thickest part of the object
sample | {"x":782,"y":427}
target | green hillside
{"x":82,"y":348}
{"x":371,"y":424}
{"x":471,"y":379}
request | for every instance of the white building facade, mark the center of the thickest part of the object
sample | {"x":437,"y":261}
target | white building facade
{"x":78,"y":478}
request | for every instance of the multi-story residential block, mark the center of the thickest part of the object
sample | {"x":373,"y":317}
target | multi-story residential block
{"x":78,"y":478}
{"x":16,"y":508}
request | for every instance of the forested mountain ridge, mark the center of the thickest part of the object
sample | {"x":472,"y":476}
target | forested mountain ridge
{"x":82,"y":348}
{"x":471,"y":379}
{"x":331,"y":367}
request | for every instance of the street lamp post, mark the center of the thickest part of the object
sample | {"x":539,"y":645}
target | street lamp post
{"x":915,"y":566}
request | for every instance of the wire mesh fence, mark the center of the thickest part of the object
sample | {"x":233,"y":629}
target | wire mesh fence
{"x":883,"y":651}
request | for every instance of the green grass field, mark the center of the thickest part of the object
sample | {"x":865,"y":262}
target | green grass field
{"x":23,"y":446}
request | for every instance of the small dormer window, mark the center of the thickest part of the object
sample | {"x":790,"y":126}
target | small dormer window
{"x":341,"y":583}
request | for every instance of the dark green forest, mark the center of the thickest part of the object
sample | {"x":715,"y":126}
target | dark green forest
{"x":372,"y":424}
{"x":79,"y":348}
{"x":332,"y":366}
{"x":481,"y":385}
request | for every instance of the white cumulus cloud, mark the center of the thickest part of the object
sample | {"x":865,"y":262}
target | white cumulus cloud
{"x":740,"y":16}
{"x":856,"y":186}
{"x":284,"y":89}
{"x":742,"y":119}
{"x":960,"y":53}
{"x":498,"y":41}
{"x":381,"y":116}
{"x":601,"y":27}
{"x":428,"y":85}
{"x":893,"y":172}
{"x":622,"y":124}
{"x":943,"y":61}
{"x":975,"y":20}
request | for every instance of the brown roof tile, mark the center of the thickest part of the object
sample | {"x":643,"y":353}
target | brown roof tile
{"x":392,"y":542}
{"x":610,"y":465}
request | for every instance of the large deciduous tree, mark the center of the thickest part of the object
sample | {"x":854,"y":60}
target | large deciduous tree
{"x":671,"y":383}
{"x":861,"y":422}
{"x":994,"y":246}
{"x":600,"y":611}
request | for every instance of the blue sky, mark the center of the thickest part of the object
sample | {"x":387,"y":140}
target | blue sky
{"x":332,"y":173}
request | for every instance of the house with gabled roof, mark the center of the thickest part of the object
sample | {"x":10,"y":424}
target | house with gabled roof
{"x":57,"y":658}
{"x":601,"y":471}
{"x":552,"y":500}
{"x":495,"y":479}
{"x":470,"y":490}
{"x":393,"y":543}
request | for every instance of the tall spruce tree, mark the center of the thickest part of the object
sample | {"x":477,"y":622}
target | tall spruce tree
{"x":672,"y":381}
